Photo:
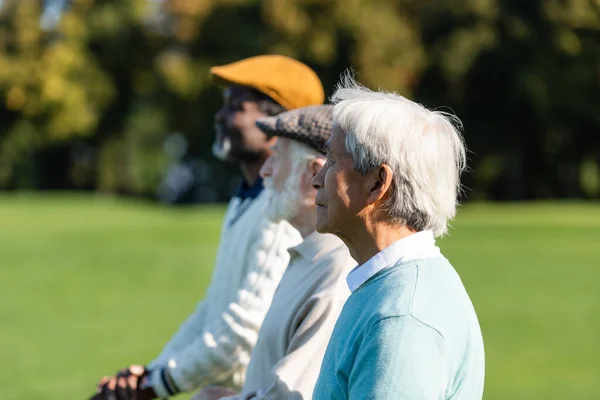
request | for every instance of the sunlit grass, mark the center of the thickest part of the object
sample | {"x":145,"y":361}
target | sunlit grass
{"x":91,"y":284}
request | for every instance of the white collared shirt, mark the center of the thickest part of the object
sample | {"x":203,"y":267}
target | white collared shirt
{"x":416,"y":246}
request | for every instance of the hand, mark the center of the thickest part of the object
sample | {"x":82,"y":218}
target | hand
{"x":125,"y":385}
{"x":213,"y":393}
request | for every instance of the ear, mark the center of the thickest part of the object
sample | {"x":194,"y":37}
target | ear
{"x":381,"y":183}
{"x":271,"y":141}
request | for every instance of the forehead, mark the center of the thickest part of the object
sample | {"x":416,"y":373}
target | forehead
{"x":337,"y":141}
{"x":282,"y":144}
{"x":240,"y":93}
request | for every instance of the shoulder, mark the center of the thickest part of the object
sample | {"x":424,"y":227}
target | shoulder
{"x":243,"y":215}
{"x":268,"y":234}
{"x":402,"y":326}
{"x":419,"y":291}
{"x":336,"y":257}
{"x":441,"y":300}
{"x":389,"y":293}
{"x":329,"y":270}
{"x":420,"y":294}
{"x":325,"y":303}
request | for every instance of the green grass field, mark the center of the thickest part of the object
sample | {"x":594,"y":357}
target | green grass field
{"x":91,"y":284}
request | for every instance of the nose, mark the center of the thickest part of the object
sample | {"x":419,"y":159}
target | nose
{"x":317,"y":180}
{"x":266,"y":170}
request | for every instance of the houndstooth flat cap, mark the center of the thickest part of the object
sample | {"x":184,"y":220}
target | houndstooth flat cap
{"x":310,"y":125}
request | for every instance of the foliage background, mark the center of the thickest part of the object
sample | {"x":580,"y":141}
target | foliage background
{"x":90,"y":89}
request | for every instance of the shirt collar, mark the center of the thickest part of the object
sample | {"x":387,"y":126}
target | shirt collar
{"x":246,"y":191}
{"x":315,"y":245}
{"x":416,"y":246}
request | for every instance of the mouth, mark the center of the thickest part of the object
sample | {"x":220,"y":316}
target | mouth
{"x":318,"y":203}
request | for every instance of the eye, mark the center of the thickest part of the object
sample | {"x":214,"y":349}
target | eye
{"x":235,"y":105}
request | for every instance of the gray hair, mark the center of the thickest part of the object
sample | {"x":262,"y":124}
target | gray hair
{"x":424,"y":149}
{"x":301,"y":155}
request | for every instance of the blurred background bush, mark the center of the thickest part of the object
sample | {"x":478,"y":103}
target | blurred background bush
{"x":114,"y":96}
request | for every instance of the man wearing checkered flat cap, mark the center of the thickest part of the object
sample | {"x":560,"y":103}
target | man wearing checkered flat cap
{"x":214,"y":344}
{"x":313,"y":290}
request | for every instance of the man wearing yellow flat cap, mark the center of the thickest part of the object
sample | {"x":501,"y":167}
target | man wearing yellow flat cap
{"x":214,"y":344}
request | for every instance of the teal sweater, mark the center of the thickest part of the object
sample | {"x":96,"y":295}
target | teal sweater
{"x":409,"y":333}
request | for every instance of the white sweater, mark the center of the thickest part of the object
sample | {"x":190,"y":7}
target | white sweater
{"x":214,"y":344}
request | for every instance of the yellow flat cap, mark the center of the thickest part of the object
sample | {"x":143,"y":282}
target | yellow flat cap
{"x":289,"y":82}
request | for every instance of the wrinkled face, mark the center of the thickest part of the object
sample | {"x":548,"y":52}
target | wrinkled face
{"x":284,"y":179}
{"x":237,"y":137}
{"x":342,"y":192}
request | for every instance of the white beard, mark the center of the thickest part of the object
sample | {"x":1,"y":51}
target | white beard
{"x":221,"y":148}
{"x":285,"y":205}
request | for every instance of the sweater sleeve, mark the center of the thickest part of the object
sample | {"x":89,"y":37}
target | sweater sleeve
{"x":219,"y":349}
{"x":295,"y":376}
{"x":399,"y":358}
{"x":191,"y":328}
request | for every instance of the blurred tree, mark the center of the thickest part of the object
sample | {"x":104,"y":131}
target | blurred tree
{"x":90,"y":89}
{"x":52,"y":87}
{"x":524,"y":78}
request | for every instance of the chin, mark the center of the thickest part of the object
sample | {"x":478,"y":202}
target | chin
{"x":321,"y":229}
{"x":321,"y":226}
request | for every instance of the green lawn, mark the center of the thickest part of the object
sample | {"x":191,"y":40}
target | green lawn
{"x":91,"y":284}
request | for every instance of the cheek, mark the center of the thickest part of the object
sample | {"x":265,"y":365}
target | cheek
{"x":234,"y":123}
{"x":335,"y":188}
{"x":250,"y":132}
{"x":241,"y":122}
{"x":281,"y":171}
{"x":278,"y":181}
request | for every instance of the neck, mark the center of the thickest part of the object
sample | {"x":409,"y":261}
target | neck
{"x":250,"y":170}
{"x":367,"y":242}
{"x":305,"y":221}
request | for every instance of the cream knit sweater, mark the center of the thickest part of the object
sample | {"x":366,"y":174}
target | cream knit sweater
{"x":214,"y":344}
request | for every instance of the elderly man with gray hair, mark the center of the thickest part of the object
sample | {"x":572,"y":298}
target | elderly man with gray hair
{"x":291,"y":343}
{"x":390,"y":185}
